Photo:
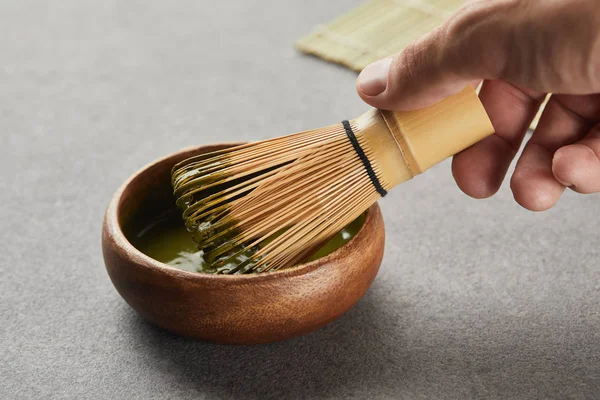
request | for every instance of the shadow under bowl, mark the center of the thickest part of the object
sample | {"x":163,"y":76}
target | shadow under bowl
{"x":232,"y":309}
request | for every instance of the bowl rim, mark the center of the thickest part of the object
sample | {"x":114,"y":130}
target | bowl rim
{"x":125,"y":249}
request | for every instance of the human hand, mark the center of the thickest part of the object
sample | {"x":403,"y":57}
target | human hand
{"x":522,"y":50}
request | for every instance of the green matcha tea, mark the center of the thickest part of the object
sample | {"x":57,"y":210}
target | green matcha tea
{"x":167,"y":240}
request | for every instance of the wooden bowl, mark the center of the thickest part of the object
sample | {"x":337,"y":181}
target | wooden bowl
{"x":234,"y":309}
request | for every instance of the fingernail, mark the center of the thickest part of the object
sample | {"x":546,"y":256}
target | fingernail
{"x":561,"y":181}
{"x":557,"y":156}
{"x":373,"y":78}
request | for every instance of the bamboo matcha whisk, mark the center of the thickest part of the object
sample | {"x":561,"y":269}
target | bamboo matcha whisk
{"x":269,"y":205}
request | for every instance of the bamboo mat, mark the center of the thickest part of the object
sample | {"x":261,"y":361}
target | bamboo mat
{"x":375,"y":30}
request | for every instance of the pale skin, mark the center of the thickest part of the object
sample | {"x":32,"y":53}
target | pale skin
{"x":521,"y":50}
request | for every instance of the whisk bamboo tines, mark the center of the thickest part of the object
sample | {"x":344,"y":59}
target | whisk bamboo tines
{"x":269,"y":205}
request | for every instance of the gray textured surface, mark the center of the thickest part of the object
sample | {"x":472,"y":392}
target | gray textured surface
{"x":475,"y":299}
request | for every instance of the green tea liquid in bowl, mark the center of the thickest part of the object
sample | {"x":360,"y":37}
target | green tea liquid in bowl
{"x":167,"y":240}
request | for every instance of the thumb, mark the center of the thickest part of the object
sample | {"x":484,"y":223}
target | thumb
{"x":469,"y":47}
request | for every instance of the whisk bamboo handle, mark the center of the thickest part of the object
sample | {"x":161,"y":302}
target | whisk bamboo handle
{"x":430,"y":135}
{"x":405,"y":144}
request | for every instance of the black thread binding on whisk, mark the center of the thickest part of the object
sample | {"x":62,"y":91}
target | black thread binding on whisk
{"x":363,"y":157}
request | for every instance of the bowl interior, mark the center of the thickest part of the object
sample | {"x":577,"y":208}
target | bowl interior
{"x":147,"y":196}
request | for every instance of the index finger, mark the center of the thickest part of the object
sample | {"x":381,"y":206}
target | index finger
{"x":480,"y":169}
